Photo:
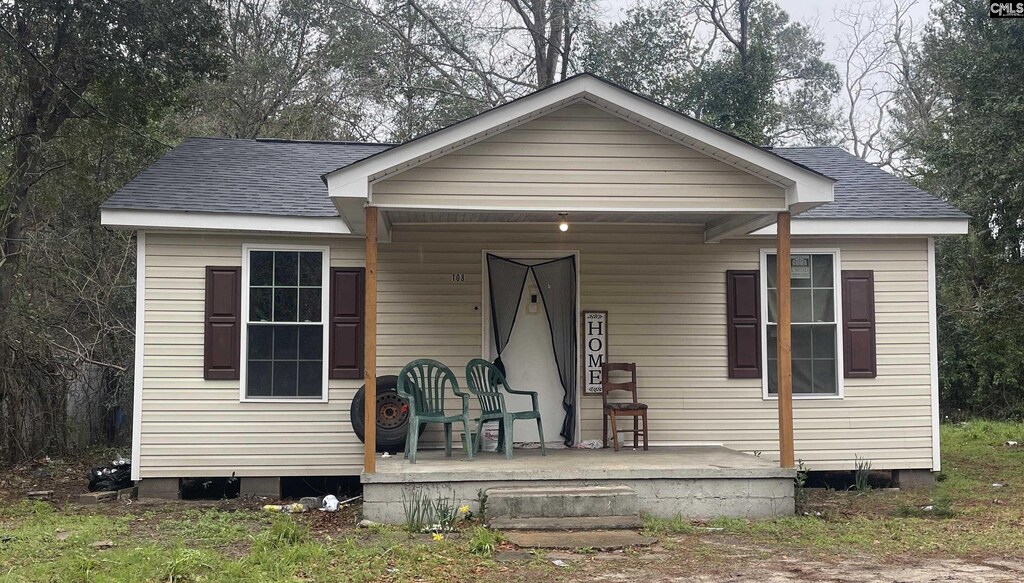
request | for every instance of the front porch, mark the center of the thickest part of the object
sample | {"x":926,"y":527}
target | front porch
{"x":689,"y":481}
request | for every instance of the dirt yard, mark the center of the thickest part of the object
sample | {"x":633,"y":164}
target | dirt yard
{"x":969,"y":528}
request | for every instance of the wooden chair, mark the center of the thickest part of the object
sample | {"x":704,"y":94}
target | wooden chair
{"x":486,"y":382}
{"x":423,"y":384}
{"x":614,"y":410}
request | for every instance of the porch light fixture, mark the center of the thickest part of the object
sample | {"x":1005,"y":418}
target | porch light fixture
{"x":563,"y":224}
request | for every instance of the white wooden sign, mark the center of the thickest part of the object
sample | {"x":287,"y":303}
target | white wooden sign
{"x":595,"y":350}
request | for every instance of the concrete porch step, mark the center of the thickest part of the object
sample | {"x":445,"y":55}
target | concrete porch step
{"x":563,"y":507}
{"x":584,"y":523}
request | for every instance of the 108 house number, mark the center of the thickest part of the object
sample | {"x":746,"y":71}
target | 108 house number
{"x":458,"y":278}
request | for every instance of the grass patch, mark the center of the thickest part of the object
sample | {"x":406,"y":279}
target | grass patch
{"x":967,"y":514}
{"x":174,"y":543}
{"x":660,"y":526}
{"x":241,"y":546}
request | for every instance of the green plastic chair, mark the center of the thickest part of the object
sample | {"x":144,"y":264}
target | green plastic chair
{"x":486,"y":382}
{"x":423,"y":383}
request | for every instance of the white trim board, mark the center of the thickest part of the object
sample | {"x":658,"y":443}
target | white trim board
{"x":837,"y":307}
{"x":802,"y":185}
{"x":895,"y":227}
{"x":140,"y":347}
{"x":325,"y":281}
{"x":933,"y":355}
{"x":143,"y":219}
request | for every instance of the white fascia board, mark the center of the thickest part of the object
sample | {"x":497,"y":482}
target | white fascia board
{"x":802,"y":185}
{"x":841,"y":227}
{"x":148,"y":219}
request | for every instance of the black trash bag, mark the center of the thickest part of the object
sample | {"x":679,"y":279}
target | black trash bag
{"x":117,"y":475}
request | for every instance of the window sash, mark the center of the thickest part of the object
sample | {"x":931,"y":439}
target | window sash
{"x":805,"y":381}
{"x":277,"y":371}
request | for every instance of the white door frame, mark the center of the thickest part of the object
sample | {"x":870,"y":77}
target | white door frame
{"x":486,"y":334}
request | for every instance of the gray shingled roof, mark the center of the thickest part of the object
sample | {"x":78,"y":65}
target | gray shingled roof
{"x":279,"y":177}
{"x":221,"y":175}
{"x":864,"y":191}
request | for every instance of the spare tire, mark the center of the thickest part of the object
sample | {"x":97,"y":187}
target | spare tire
{"x":392,"y":415}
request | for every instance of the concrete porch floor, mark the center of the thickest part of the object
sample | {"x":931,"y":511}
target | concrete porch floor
{"x":688,"y":481}
{"x":578,"y":464}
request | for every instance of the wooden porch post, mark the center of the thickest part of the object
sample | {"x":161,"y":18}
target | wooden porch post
{"x":370,"y":345}
{"x":785,"y":343}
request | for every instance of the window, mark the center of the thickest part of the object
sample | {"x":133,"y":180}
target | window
{"x":285,"y":335}
{"x":814,"y":314}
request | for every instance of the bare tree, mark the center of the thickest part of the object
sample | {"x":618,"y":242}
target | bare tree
{"x":875,"y":64}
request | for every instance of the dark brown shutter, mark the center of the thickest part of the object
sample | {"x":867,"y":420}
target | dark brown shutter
{"x":859,"y":324}
{"x":346,"y":321}
{"x":223,"y":323}
{"x":743,"y":317}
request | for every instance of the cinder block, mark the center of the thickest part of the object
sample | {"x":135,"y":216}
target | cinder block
{"x":162,"y":488}
{"x":260,"y":487}
{"x":914,"y":479}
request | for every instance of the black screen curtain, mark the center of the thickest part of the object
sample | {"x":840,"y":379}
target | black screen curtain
{"x":507,"y":280}
{"x":557,"y":282}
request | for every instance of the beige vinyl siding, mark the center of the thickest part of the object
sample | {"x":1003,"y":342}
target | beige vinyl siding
{"x":578,"y":158}
{"x":665,"y":293}
{"x":196,"y":427}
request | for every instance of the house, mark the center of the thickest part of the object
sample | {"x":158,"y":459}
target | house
{"x":275,"y":276}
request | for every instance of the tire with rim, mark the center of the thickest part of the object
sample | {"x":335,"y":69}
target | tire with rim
{"x":392,"y":415}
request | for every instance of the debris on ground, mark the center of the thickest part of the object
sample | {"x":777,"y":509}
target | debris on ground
{"x":39,"y":494}
{"x":364,"y":523}
{"x":330,"y":504}
{"x":294,"y":508}
{"x":117,"y":475}
{"x":102,"y":544}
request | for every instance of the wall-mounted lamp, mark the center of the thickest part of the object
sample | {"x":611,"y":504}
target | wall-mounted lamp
{"x":563,"y":224}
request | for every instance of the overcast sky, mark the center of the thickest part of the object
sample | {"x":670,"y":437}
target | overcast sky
{"x":819,"y":13}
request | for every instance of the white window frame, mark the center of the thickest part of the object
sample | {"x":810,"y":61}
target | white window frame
{"x":247,"y":249}
{"x":837,"y":306}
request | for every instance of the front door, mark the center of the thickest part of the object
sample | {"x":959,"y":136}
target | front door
{"x":529,"y":361}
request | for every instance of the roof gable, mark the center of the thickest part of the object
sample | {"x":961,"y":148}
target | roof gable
{"x":803,"y":185}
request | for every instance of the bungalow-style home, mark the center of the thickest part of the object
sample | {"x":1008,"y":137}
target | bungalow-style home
{"x":579,"y":225}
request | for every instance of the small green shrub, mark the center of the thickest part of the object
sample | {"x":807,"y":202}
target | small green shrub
{"x":799,"y":492}
{"x":861,"y":474}
{"x":484,"y":541}
{"x":426,"y":514}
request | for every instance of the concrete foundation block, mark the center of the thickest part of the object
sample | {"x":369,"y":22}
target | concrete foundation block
{"x":914,"y":479}
{"x":562,"y":501}
{"x":161,"y":488}
{"x":261,"y":487}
